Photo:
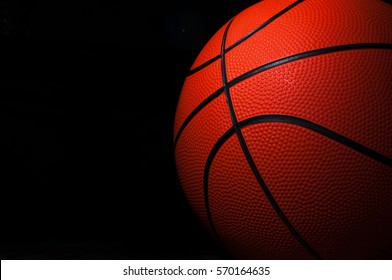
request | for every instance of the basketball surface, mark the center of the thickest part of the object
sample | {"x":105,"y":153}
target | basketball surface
{"x":283,"y":135}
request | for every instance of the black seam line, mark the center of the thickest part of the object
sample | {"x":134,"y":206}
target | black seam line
{"x":225,"y":82}
{"x":196,"y":111}
{"x":270,"y":20}
{"x":207,"y":169}
{"x":288,"y":120}
{"x":308,"y":54}
{"x":252,"y":163}
{"x":250,"y":34}
{"x":250,"y":160}
{"x":265,"y":189}
{"x":235,"y":127}
{"x":275,"y":64}
{"x":321,"y":130}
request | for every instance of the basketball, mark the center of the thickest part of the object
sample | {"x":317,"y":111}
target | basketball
{"x":283,"y":131}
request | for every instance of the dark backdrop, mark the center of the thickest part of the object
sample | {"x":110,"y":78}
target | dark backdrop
{"x":88,"y":91}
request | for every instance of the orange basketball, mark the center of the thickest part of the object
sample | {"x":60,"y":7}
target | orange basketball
{"x":283,"y":131}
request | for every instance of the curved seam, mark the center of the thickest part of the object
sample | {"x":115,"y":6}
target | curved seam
{"x":277,"y":63}
{"x":288,"y":120}
{"x":246,"y":37}
{"x":250,"y":159}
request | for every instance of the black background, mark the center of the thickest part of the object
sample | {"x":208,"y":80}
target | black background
{"x":88,"y":96}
